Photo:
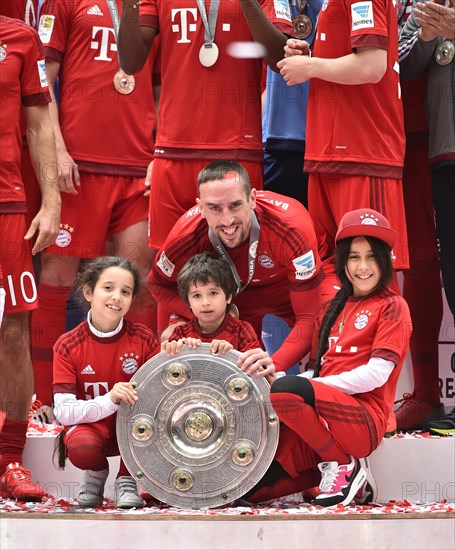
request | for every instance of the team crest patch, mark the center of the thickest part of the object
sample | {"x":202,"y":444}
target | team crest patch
{"x":362,"y":15}
{"x":266,"y":262}
{"x":46,"y":26}
{"x":368,"y":219}
{"x":42,"y":73}
{"x":305,"y":266}
{"x":2,"y":52}
{"x":362,"y":319}
{"x":165,"y":264}
{"x":64,"y":236}
{"x":129,"y":363}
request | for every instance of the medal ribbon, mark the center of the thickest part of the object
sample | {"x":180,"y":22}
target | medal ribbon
{"x":115,"y":22}
{"x":210,"y":23}
{"x":254,"y":239}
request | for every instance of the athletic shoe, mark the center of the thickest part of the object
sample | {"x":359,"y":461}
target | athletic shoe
{"x":339,"y":483}
{"x":16,"y":482}
{"x":126,"y":493}
{"x":40,"y":414}
{"x":391,"y":426}
{"x":413,"y":413}
{"x":368,"y":492}
{"x":91,"y":491}
{"x":444,"y":426}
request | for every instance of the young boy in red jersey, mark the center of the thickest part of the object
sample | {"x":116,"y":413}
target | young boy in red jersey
{"x":206,"y":284}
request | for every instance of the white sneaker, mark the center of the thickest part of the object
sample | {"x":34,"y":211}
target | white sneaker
{"x":368,"y":492}
{"x":91,"y":491}
{"x":339,"y":482}
{"x":126,"y":493}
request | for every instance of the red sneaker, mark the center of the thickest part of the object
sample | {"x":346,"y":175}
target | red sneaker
{"x":16,"y":482}
{"x":412,"y":413}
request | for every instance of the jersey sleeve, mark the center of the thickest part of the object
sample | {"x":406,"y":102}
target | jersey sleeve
{"x":247,"y":337}
{"x":34,"y":87}
{"x":54,"y":27}
{"x":64,"y":369}
{"x":279,"y":13}
{"x":393,"y":331}
{"x":148,"y":14}
{"x":368,"y":21}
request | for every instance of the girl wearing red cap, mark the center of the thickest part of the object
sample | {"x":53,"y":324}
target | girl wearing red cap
{"x":336,"y":413}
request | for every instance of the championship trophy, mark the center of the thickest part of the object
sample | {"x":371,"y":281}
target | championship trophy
{"x":202,"y":433}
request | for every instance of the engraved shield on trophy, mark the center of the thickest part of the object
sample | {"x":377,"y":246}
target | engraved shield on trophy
{"x":202,"y":432}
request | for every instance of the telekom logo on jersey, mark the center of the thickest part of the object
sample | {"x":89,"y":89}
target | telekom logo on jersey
{"x":103,"y":41}
{"x":94,"y":389}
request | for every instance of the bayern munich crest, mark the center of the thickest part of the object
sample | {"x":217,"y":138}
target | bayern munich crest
{"x":64,"y":236}
{"x":362,"y":320}
{"x":2,"y":53}
{"x":129,"y":363}
{"x":266,"y":262}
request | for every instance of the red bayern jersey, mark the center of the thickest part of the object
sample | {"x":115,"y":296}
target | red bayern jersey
{"x":25,"y":10}
{"x":99,"y":125}
{"x":238,"y":333}
{"x":89,"y":366}
{"x":287,"y":250}
{"x":378,"y":325}
{"x":23,"y":83}
{"x":207,"y":110}
{"x":356,"y":129}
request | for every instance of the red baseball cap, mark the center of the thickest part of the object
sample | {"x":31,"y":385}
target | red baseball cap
{"x":366,"y":222}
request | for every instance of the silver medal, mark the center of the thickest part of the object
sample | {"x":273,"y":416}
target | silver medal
{"x":208,"y":54}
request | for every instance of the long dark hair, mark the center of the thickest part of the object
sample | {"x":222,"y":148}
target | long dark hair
{"x":383,"y":257}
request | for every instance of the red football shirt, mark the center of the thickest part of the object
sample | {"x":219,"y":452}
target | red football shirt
{"x":207,"y":110}
{"x":356,"y":129}
{"x":238,"y":333}
{"x":99,"y":125}
{"x":23,"y":82}
{"x":376,"y":326}
{"x":89,"y":366}
{"x":25,"y":10}
{"x":287,"y":253}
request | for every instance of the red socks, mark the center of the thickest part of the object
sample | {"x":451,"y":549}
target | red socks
{"x":48,"y":323}
{"x":12,"y":443}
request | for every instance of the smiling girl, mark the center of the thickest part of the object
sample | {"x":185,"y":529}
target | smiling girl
{"x":336,"y":414}
{"x":93,"y":364}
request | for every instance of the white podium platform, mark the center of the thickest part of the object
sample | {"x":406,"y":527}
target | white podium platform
{"x":412,"y":469}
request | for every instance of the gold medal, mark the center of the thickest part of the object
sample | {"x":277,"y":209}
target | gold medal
{"x":124,"y":83}
{"x":445,"y":52}
{"x":302,"y":26}
{"x":208,"y":54}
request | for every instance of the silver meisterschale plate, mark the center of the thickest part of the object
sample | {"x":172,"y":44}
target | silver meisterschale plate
{"x":202,"y":432}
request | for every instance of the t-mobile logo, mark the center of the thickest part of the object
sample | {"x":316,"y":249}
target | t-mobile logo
{"x":185,"y":26}
{"x":106,"y":44}
{"x":95,"y":389}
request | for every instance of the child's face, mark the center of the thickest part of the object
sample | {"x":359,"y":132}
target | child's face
{"x":208,"y":303}
{"x":361,"y":268}
{"x":111,"y":299}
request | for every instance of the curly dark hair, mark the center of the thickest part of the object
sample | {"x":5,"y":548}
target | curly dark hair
{"x":206,"y":268}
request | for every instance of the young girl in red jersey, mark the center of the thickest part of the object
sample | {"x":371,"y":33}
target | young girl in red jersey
{"x":207,"y":285}
{"x":336,"y":414}
{"x":93,"y":364}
